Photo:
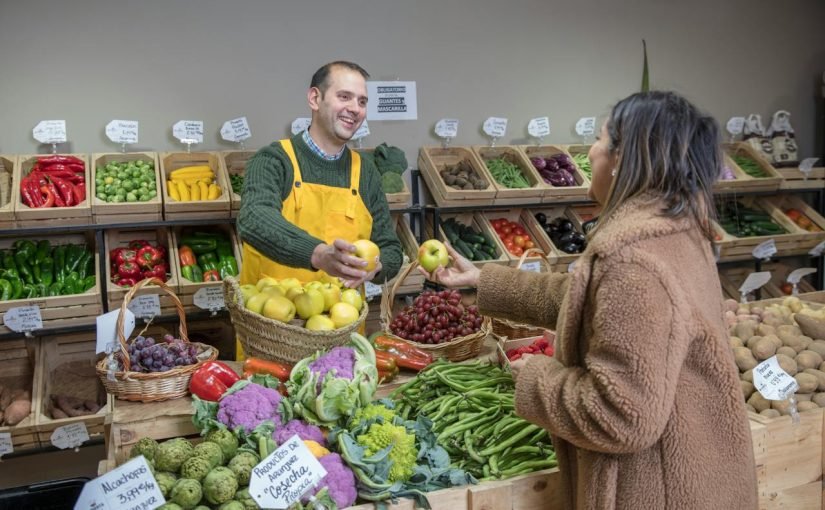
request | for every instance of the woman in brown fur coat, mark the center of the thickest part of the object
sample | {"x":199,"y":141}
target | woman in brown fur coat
{"x":642,"y":398}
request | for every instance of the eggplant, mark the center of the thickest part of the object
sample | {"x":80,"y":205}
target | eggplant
{"x":541,"y":218}
{"x":539,"y":163}
{"x":571,"y":248}
{"x":566,"y":225}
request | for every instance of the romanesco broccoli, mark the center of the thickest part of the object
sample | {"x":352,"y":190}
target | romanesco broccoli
{"x":403,"y":453}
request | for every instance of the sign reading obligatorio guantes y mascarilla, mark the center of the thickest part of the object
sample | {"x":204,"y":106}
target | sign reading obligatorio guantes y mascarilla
{"x":392,"y":100}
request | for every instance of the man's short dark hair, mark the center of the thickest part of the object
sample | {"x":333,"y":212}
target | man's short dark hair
{"x":320,"y":79}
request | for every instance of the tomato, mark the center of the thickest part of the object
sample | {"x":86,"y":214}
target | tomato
{"x":509,"y":245}
{"x":517,"y":251}
{"x":496,"y":223}
{"x":506,"y":229}
{"x":519,"y":231}
{"x":518,"y":241}
{"x":529,"y":244}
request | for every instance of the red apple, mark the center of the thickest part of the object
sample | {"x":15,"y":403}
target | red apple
{"x":432,"y":254}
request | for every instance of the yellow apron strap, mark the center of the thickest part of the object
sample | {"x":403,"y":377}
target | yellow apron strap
{"x":355,"y":183}
{"x":296,"y":171}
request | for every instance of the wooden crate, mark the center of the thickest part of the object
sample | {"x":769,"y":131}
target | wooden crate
{"x":58,"y":311}
{"x":431,"y":160}
{"x":731,"y":278}
{"x":126,"y":212}
{"x":414,"y":283}
{"x":7,"y":164}
{"x":562,"y":260}
{"x":788,"y":460}
{"x":195,"y":209}
{"x":793,"y":179}
{"x":400,"y":200}
{"x":513,"y":196}
{"x":574,"y":149}
{"x":18,"y":359}
{"x":235,"y":164}
{"x":794,"y":241}
{"x":473,"y":222}
{"x":530,"y":225}
{"x":26,"y":216}
{"x":553,"y":193}
{"x":120,"y":239}
{"x":746,"y":182}
{"x":78,"y":349}
{"x":187,"y":289}
{"x":739,"y":182}
{"x":786,"y":202}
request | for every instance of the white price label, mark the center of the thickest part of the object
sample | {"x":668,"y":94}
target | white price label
{"x":754,"y":281}
{"x":798,"y":274}
{"x":817,"y":250}
{"x":571,"y":266}
{"x":539,"y":127}
{"x":300,"y":124}
{"x":287,"y":474}
{"x":23,"y":319}
{"x":236,"y":130}
{"x":735,"y":125}
{"x":128,"y":486}
{"x":50,"y":131}
{"x":70,"y":436}
{"x":447,"y":128}
{"x":586,"y":126}
{"x":209,"y":298}
{"x":6,"y":445}
{"x":371,"y":290}
{"x":107,"y":329}
{"x":495,"y":127}
{"x":773,"y":382}
{"x":188,"y":131}
{"x":533,"y":267}
{"x":363,"y":132}
{"x":146,"y":306}
{"x":765,"y":250}
{"x":806,"y":165}
{"x":122,"y":131}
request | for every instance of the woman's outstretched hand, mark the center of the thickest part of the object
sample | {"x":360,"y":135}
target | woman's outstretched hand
{"x":461,"y":273}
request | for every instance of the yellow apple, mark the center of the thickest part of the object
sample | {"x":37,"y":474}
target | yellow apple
{"x":273,"y":290}
{"x":352,"y":297}
{"x":248,"y":291}
{"x":266,"y":281}
{"x":320,"y":323}
{"x":309,"y":303}
{"x":288,"y":283}
{"x":314,"y":284}
{"x":293,"y":292}
{"x":343,"y":314}
{"x":332,"y":295}
{"x":368,"y":251}
{"x":279,"y":308}
{"x":334,"y":280}
{"x":256,"y":303}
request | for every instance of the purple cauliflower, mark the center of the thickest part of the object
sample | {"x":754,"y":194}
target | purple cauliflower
{"x":339,"y":482}
{"x":304,"y":430}
{"x":340,"y":359}
{"x":249,"y":407}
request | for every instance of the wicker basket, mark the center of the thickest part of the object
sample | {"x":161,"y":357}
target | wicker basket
{"x":279,"y":341}
{"x":152,"y":386}
{"x":504,"y":328}
{"x":458,"y":349}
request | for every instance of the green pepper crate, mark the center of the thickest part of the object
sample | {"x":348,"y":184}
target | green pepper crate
{"x":18,"y":366}
{"x":400,"y":200}
{"x":26,"y":216}
{"x":65,"y":310}
{"x":513,"y":196}
{"x":194,"y":209}
{"x":126,"y":212}
{"x":188,"y":288}
{"x":7,"y":163}
{"x":156,"y":236}
{"x":235,"y":164}
{"x":66,"y":366}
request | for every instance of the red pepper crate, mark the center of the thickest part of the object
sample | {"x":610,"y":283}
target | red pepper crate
{"x":187,"y":287}
{"x":7,"y":206}
{"x":80,"y":214}
{"x":18,"y":359}
{"x":194,"y":209}
{"x":126,"y":212}
{"x":114,"y":239}
{"x":235,"y":164}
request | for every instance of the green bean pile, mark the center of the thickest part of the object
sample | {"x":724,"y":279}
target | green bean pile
{"x":507,"y":174}
{"x":749,"y":166}
{"x":472,"y":409}
{"x":583,"y":162}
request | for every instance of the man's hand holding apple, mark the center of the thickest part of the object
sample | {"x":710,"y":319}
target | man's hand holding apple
{"x":353,"y":263}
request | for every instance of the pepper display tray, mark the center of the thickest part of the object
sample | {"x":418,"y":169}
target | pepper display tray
{"x":432,"y":160}
{"x":195,"y":209}
{"x":7,"y":163}
{"x":555,"y":194}
{"x":59,"y":311}
{"x":235,"y":164}
{"x":18,"y":361}
{"x":26,"y":216}
{"x":120,"y":239}
{"x":513,"y":196}
{"x":470,"y":220}
{"x":126,"y":212}
{"x":66,"y":366}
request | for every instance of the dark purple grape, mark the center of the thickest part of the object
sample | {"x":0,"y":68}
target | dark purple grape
{"x":168,"y":338}
{"x":165,"y":368}
{"x":168,"y":359}
{"x":157,"y":364}
{"x":179,"y":361}
{"x":193,"y":350}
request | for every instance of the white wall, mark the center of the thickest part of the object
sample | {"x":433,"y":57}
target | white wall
{"x":158,"y":61}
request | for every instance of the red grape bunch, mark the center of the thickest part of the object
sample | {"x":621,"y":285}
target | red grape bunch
{"x":436,"y":317}
{"x":147,"y":355}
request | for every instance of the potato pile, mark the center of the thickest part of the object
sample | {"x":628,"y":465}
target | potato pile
{"x":15,"y":405}
{"x":793,"y":332}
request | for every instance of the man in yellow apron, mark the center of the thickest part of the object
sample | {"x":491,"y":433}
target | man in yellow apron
{"x":307,"y":198}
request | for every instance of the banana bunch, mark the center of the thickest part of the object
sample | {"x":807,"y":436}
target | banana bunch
{"x":193,"y":183}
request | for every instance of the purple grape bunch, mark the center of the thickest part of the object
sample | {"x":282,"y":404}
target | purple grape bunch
{"x":148,"y":355}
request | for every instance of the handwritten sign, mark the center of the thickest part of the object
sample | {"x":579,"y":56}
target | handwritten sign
{"x":188,"y":131}
{"x":300,"y":124}
{"x":70,"y":436}
{"x":122,"y":131}
{"x":107,"y":329}
{"x":371,"y":290}
{"x":807,"y":165}
{"x":146,"y":306}
{"x":236,"y":130}
{"x":773,"y":382}
{"x":817,"y":250}
{"x":735,"y":125}
{"x":6,"y":445}
{"x":495,"y":127}
{"x":539,"y":127}
{"x":798,"y":274}
{"x":534,"y":267}
{"x":209,"y":298}
{"x":130,"y":486}
{"x":586,"y":126}
{"x":22,"y":319}
{"x":447,"y":128}
{"x":765,"y":250}
{"x":287,"y":474}
{"x":50,"y":131}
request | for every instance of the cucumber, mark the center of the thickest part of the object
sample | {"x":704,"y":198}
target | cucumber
{"x":464,"y":249}
{"x":449,"y":231}
{"x":480,"y":254}
{"x":473,"y":238}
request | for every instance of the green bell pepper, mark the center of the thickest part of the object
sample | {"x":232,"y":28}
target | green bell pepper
{"x":25,"y":248}
{"x":192,"y":273}
{"x":89,"y":282}
{"x":8,"y":260}
{"x":73,"y":254}
{"x":46,"y":267}
{"x":5,"y":290}
{"x":42,"y":290}
{"x":59,"y":256}
{"x":23,"y":267}
{"x":71,"y":284}
{"x":200,"y":245}
{"x":55,"y":289}
{"x":227,"y":266}
{"x":224,"y":248}
{"x":16,"y":283}
{"x":44,"y":248}
{"x":28,"y":291}
{"x":208,"y":261}
{"x":83,"y":264}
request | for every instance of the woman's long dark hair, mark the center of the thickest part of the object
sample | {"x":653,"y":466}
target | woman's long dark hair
{"x":664,"y":147}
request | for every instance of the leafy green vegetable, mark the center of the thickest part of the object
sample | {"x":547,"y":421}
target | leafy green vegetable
{"x":392,"y":183}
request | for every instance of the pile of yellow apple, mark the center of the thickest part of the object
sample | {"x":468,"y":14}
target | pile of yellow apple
{"x":322,"y":303}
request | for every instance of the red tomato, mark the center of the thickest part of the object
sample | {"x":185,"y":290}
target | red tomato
{"x":518,"y":230}
{"x":518,"y":241}
{"x":506,"y":229}
{"x":517,"y":251}
{"x":509,"y":245}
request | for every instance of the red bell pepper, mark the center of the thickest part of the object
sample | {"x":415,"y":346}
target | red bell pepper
{"x":211,"y":276}
{"x":128,"y":270}
{"x":121,"y":255}
{"x":187,"y":256}
{"x":406,"y":355}
{"x":125,"y":282}
{"x":385,"y":361}
{"x":138,"y":244}
{"x":148,"y":256}
{"x":162,"y":251}
{"x":211,"y":380}
{"x":158,"y":271}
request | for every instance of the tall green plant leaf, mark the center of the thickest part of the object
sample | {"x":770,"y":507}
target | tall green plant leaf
{"x":645,"y":73}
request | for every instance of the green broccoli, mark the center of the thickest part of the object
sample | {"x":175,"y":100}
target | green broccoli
{"x":390,"y":159}
{"x":186,"y":492}
{"x":171,"y":454}
{"x":225,"y":439}
{"x":232,"y":505}
{"x":242,"y":465}
{"x":145,"y":446}
{"x":392,"y":183}
{"x":244,"y":497}
{"x":211,"y":451}
{"x":220,"y":485}
{"x":165,"y":482}
{"x":195,"y":468}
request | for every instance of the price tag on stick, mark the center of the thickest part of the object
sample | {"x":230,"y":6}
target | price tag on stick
{"x":128,"y":486}
{"x":752,"y":282}
{"x":145,"y":306}
{"x":371,"y":290}
{"x":70,"y":436}
{"x":6,"y":445}
{"x":50,"y":131}
{"x":23,"y":319}
{"x":447,"y":129}
{"x":107,"y":329}
{"x":188,"y":131}
{"x":817,"y":250}
{"x":533,"y":267}
{"x":123,"y":132}
{"x":765,"y":250}
{"x":773,"y":382}
{"x":495,"y":128}
{"x":300,"y":124}
{"x":586,"y":126}
{"x":539,"y":128}
{"x":797,"y":275}
{"x":735,"y":125}
{"x":806,"y":165}
{"x":287,"y":474}
{"x":236,"y":130}
{"x":209,"y":298}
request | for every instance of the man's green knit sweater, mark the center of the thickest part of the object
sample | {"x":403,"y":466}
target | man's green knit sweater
{"x":268,"y":181}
